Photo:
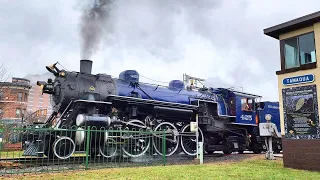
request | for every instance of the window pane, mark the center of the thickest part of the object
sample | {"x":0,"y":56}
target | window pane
{"x":19,"y":96}
{"x":250,"y":104}
{"x":307,"y":48}
{"x":18,"y":112}
{"x":25,"y":97}
{"x":243,"y":103}
{"x":291,"y":53}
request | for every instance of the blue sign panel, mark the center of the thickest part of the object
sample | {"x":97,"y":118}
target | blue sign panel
{"x":298,"y":79}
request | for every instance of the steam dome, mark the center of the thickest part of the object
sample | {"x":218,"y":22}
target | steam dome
{"x":129,"y":76}
{"x":176,"y":85}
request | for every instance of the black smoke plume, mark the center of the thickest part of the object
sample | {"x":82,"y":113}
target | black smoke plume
{"x":93,"y":21}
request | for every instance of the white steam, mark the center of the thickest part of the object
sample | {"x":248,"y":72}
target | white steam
{"x":163,"y":39}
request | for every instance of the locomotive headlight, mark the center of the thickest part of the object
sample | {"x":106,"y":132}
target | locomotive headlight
{"x":268,"y":117}
{"x":41,"y":88}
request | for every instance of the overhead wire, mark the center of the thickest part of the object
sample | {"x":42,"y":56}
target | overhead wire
{"x":153,"y":79}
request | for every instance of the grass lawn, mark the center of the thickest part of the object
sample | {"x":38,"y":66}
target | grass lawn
{"x":11,"y":154}
{"x":254,"y":168}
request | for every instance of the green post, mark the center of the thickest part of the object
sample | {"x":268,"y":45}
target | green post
{"x":87,"y":147}
{"x":164,"y":147}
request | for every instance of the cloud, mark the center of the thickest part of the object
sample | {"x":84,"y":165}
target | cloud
{"x":39,"y":77}
{"x":221,"y":41}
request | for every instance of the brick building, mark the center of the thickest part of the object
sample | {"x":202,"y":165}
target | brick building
{"x":14,"y":100}
{"x":38,"y":101}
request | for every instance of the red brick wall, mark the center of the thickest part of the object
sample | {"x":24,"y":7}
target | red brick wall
{"x":301,"y":153}
{"x":9,"y":102}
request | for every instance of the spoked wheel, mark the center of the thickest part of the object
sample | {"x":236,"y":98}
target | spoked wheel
{"x":63,"y":147}
{"x":172,"y":139}
{"x":137,"y":143}
{"x":108,"y":148}
{"x":227,"y":149}
{"x":188,"y":142}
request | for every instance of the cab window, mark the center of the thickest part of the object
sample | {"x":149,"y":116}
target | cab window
{"x":232,"y":107}
{"x":247,"y":104}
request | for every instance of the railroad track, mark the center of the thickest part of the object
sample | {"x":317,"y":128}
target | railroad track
{"x":178,"y":158}
{"x":43,"y":164}
{"x":74,"y":159}
{"x":98,"y":158}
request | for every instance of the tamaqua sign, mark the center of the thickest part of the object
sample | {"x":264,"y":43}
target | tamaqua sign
{"x":307,"y":78}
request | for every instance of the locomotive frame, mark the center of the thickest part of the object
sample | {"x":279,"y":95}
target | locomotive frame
{"x":83,"y":100}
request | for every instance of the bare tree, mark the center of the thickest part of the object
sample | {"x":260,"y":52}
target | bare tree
{"x":4,"y":73}
{"x":4,"y":76}
{"x":37,"y":116}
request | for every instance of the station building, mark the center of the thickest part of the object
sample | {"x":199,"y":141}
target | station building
{"x":299,"y":90}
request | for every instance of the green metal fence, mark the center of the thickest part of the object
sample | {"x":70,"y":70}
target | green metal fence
{"x":38,"y":150}
{"x":1,"y":137}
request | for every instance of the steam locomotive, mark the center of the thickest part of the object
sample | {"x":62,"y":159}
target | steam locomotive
{"x":228,"y":120}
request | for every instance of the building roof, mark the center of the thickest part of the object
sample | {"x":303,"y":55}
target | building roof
{"x":246,"y":94}
{"x":22,"y":79}
{"x":24,"y":85}
{"x":17,"y":82}
{"x":298,"y":23}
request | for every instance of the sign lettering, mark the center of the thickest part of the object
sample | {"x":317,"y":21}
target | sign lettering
{"x":273,"y":107}
{"x":300,"y":110}
{"x":246,"y":117}
{"x":134,"y":76}
{"x":308,"y":78}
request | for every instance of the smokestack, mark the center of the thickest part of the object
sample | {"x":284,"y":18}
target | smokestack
{"x":85,"y":66}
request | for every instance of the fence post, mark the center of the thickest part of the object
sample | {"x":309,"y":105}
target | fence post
{"x":197,"y":135}
{"x":87,"y":147}
{"x":164,"y":147}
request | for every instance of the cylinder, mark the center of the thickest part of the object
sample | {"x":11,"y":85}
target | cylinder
{"x":85,"y":66}
{"x":92,"y":120}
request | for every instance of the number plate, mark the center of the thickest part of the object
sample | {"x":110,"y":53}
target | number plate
{"x":235,"y":145}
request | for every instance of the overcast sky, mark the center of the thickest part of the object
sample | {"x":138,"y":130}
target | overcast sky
{"x":221,"y":41}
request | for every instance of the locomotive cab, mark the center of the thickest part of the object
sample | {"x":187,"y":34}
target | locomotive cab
{"x":245,"y":108}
